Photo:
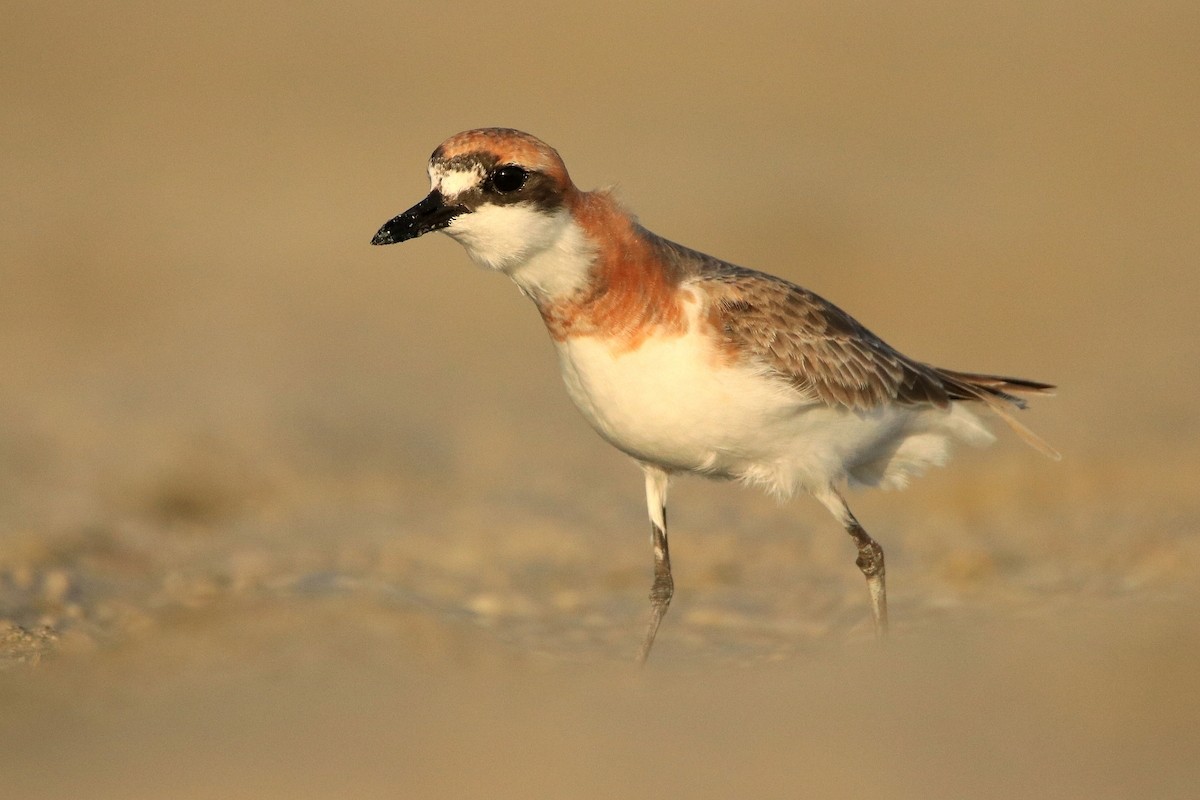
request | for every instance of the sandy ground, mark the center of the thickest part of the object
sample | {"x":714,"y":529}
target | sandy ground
{"x":283,"y":515}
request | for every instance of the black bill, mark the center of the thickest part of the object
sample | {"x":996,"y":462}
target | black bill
{"x":431,"y":214}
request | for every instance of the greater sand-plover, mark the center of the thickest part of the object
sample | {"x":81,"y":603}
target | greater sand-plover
{"x":691,"y":365}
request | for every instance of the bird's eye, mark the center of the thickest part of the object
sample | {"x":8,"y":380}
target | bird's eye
{"x":508,"y":179}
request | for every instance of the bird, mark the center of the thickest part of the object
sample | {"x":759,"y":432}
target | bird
{"x":692,"y":365}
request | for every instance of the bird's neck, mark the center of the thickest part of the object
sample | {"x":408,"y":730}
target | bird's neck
{"x":561,"y":267}
{"x":627,"y":288}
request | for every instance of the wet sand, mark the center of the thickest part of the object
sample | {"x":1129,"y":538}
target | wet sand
{"x":282,"y":514}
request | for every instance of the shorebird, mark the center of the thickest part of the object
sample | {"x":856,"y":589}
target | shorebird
{"x":692,"y":365}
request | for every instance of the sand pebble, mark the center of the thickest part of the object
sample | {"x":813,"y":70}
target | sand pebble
{"x":22,"y":576}
{"x":56,"y":585}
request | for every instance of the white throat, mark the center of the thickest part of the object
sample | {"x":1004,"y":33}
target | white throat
{"x":545,"y":253}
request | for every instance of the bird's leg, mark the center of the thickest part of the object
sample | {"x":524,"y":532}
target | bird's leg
{"x":870,"y":561}
{"x":660,"y":592}
{"x":664,"y":586}
{"x":870,"y":558}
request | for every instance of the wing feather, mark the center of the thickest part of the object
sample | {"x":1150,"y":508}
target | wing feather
{"x":828,"y":356}
{"x":824,"y":353}
{"x":820,"y":349}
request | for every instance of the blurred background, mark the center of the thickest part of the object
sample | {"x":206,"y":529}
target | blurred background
{"x":282,"y":514}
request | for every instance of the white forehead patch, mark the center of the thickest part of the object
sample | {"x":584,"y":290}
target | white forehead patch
{"x":452,"y":182}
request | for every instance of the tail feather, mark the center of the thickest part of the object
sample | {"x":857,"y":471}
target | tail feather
{"x":995,"y":392}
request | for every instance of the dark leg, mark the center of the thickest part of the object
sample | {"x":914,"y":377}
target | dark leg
{"x":870,"y":558}
{"x":664,"y":586}
{"x":870,"y":561}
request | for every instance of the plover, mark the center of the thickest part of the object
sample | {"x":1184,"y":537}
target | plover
{"x":692,"y":365}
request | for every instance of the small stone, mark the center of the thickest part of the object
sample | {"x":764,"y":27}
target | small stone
{"x":486,"y":605}
{"x":22,"y":577}
{"x":56,"y":586}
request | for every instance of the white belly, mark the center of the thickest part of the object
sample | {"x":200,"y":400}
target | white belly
{"x":673,"y":403}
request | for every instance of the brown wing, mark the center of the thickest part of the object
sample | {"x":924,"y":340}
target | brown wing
{"x":819,"y":348}
{"x":823,"y":352}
